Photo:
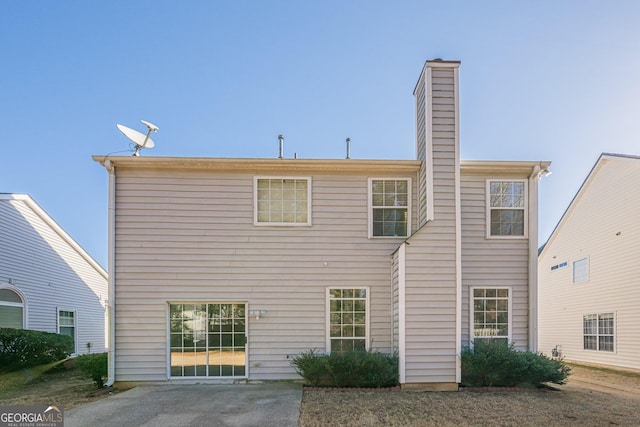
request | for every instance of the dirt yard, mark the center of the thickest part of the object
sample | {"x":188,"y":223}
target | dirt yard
{"x":591,"y":398}
{"x":63,"y":386}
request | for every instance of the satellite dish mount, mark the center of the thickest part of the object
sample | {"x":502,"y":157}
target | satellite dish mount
{"x":139,"y":139}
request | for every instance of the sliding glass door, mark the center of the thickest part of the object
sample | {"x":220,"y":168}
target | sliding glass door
{"x":208,"y":340}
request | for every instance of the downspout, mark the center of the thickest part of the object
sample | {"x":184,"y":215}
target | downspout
{"x":458,"y":219}
{"x":533,"y":258}
{"x":111,"y":267}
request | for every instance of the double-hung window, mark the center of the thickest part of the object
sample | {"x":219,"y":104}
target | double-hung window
{"x":347,"y":319}
{"x":282,"y":201}
{"x":389,"y":207}
{"x":598,"y":331}
{"x":491,"y":308}
{"x":507,"y":208}
{"x":67,"y":325}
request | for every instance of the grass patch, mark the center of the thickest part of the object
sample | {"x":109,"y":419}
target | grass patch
{"x":59,"y":383}
{"x":12,"y":381}
{"x":609,"y":371}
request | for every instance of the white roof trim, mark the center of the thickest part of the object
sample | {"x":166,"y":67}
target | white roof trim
{"x":59,"y":230}
{"x":594,"y":170}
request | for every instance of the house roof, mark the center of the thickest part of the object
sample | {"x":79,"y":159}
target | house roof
{"x":503,"y":166}
{"x":28,"y":201}
{"x":305,"y":165}
{"x":240,"y":164}
{"x":604,"y":157}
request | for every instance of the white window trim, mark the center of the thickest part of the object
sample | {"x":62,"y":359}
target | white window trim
{"x":24,"y":305}
{"x":75,"y":326}
{"x":472,"y":336}
{"x":188,"y":379}
{"x":370,"y":206}
{"x":573,"y":270}
{"x":328,"y":315}
{"x":615,"y":331}
{"x":281,"y":224}
{"x":488,"y":208}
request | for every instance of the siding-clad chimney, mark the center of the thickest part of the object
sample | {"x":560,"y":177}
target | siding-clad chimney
{"x":436,"y":95}
{"x":433,"y":252}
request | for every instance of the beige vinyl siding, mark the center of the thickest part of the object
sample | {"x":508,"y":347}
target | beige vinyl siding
{"x":492,"y":262}
{"x":421,"y":149}
{"x":51,"y":274}
{"x":608,"y":204}
{"x":430,"y":257}
{"x":395,"y":301}
{"x":188,"y":235}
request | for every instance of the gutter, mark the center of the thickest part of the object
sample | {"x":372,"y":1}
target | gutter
{"x":111,"y":269}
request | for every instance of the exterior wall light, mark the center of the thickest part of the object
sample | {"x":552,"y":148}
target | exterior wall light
{"x":257,"y":313}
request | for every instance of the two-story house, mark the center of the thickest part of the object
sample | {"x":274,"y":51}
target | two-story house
{"x":588,"y":269}
{"x":48,"y":282}
{"x":226,"y":268}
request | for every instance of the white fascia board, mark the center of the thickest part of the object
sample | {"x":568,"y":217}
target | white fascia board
{"x":258,"y":165}
{"x":55,"y":227}
{"x":583,"y":188}
{"x":604,"y":157}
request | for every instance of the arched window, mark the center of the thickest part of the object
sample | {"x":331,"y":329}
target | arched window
{"x":11,"y":308}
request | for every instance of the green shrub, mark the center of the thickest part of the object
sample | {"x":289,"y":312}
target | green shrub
{"x":541,"y":369}
{"x":23,"y":348}
{"x":496,"y":363}
{"x":312,"y":367}
{"x":94,"y":366}
{"x":348,"y":369}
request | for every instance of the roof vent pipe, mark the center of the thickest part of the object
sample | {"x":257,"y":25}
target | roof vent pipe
{"x":281,"y":139}
{"x":348,"y":148}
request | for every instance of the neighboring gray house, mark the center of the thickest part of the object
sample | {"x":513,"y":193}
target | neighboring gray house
{"x":227,"y":268}
{"x":47,"y":281}
{"x":590,"y":271}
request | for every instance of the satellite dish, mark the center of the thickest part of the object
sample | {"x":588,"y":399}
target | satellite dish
{"x":139,"y":139}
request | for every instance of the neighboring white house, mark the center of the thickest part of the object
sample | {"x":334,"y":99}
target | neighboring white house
{"x":228,"y":268}
{"x":589,"y":270}
{"x":47,"y":281}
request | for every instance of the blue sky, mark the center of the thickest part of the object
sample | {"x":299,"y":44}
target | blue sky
{"x":539,"y":80}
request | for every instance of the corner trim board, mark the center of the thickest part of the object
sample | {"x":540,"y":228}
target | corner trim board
{"x":401,"y":314}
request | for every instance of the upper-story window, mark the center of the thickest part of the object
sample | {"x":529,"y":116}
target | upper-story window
{"x":282,"y":201}
{"x":389,"y":207}
{"x":507,"y":208}
{"x":581,"y":270}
